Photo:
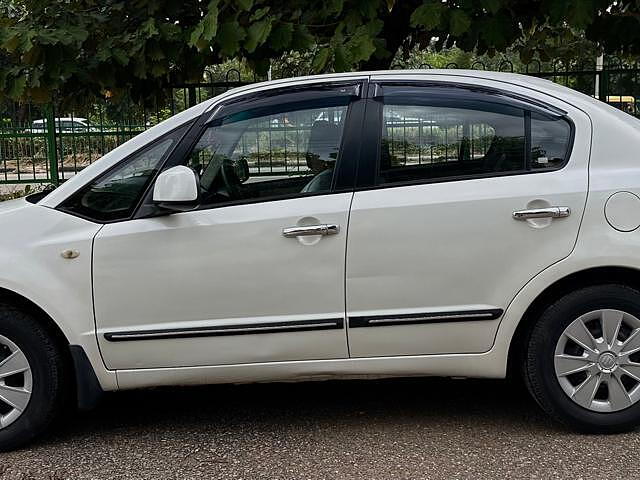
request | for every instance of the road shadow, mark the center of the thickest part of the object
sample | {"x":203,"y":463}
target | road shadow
{"x":395,"y":401}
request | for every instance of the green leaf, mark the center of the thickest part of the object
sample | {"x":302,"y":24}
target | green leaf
{"x":360,"y":46}
{"x":120,"y":56}
{"x":302,"y":39}
{"x":244,"y":4}
{"x":257,"y":34}
{"x":427,"y":15}
{"x":49,"y":37}
{"x":497,"y":31}
{"x":210,"y":22}
{"x":368,"y":8}
{"x":321,"y":59}
{"x":459,"y":22}
{"x":11,"y":42}
{"x":581,"y":14}
{"x":196,"y":34}
{"x":75,"y":33}
{"x":281,"y":36}
{"x":148,"y":28}
{"x":230,"y":34}
{"x":16,"y":86}
{"x":332,"y":8}
{"x":340,"y":62}
{"x":258,"y":14}
{"x":374,"y":27}
{"x":207,"y":28}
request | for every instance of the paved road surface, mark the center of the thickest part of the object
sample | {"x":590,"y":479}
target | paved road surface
{"x":392,"y":429}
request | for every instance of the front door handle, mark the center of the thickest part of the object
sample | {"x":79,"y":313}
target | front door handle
{"x":322,"y":229}
{"x":547,"y":212}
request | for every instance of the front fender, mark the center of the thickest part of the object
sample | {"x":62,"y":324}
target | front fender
{"x":31,"y":266}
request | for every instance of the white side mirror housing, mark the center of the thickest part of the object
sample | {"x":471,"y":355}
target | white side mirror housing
{"x":177,"y":185}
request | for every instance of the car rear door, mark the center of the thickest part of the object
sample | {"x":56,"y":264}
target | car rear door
{"x":465,"y":192}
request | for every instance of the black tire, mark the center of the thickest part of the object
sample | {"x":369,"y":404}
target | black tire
{"x":538,"y":363}
{"x":49,"y":372}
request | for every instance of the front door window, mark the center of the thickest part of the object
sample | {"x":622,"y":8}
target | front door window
{"x":249,"y":156}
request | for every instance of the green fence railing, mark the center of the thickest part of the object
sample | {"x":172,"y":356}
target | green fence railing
{"x":47,"y":144}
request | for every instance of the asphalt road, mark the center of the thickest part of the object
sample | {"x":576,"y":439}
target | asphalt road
{"x":395,"y":429}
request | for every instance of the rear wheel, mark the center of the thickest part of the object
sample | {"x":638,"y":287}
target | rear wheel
{"x":582,"y":363}
{"x":32,"y":378}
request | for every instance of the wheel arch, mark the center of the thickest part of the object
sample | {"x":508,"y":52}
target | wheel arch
{"x":86,"y":386}
{"x":584,"y":278}
{"x":22,"y":302}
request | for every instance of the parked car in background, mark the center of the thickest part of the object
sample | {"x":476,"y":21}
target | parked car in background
{"x":63,"y":125}
{"x":404,"y":223}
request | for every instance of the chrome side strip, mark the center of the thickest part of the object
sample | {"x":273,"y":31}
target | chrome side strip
{"x":247,"y":329}
{"x":436,"y":317}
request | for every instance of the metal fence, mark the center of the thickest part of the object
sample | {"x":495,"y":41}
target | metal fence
{"x":47,"y":144}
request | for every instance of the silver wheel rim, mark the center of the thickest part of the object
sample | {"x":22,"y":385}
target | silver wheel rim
{"x":16,"y":382}
{"x":597,"y":360}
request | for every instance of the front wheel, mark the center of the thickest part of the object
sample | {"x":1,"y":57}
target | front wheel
{"x":582,"y":363}
{"x":32,"y":378}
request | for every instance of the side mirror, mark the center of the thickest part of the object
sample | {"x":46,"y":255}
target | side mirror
{"x":177,"y":189}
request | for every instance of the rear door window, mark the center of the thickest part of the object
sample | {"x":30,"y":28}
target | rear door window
{"x":439,"y":133}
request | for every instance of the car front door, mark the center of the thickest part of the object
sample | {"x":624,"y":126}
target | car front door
{"x":435,"y":251}
{"x":255,"y":273}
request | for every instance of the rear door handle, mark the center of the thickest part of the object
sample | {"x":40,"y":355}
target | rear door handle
{"x":322,"y":229}
{"x":547,"y":212}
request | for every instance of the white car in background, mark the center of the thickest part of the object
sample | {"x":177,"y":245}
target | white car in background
{"x":63,"y":125}
{"x":450,"y":223}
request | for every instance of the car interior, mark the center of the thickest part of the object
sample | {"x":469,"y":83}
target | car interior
{"x":226,"y":176}
{"x":449,"y":143}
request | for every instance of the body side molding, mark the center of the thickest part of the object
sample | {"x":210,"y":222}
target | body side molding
{"x":432,"y":317}
{"x":215,"y":331}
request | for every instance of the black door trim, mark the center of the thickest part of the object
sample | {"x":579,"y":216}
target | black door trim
{"x":432,"y":317}
{"x":222,"y":330}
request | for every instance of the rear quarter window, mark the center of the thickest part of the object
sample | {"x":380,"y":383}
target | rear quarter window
{"x":550,"y":141}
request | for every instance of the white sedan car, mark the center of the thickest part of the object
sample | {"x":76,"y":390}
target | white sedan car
{"x":416,"y":223}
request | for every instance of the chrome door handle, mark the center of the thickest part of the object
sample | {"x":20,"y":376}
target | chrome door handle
{"x":322,"y":229}
{"x":548,"y":212}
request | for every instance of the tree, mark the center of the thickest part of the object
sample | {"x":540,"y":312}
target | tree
{"x":86,"y":48}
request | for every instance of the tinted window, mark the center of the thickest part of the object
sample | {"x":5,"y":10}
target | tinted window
{"x":256,"y":154}
{"x":550,"y":140}
{"x":114,"y":195}
{"x":424,"y":142}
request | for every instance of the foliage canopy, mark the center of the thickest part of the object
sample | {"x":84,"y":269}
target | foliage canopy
{"x":86,"y":48}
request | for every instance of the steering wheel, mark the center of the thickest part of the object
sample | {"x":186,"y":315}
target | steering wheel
{"x":231,"y":180}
